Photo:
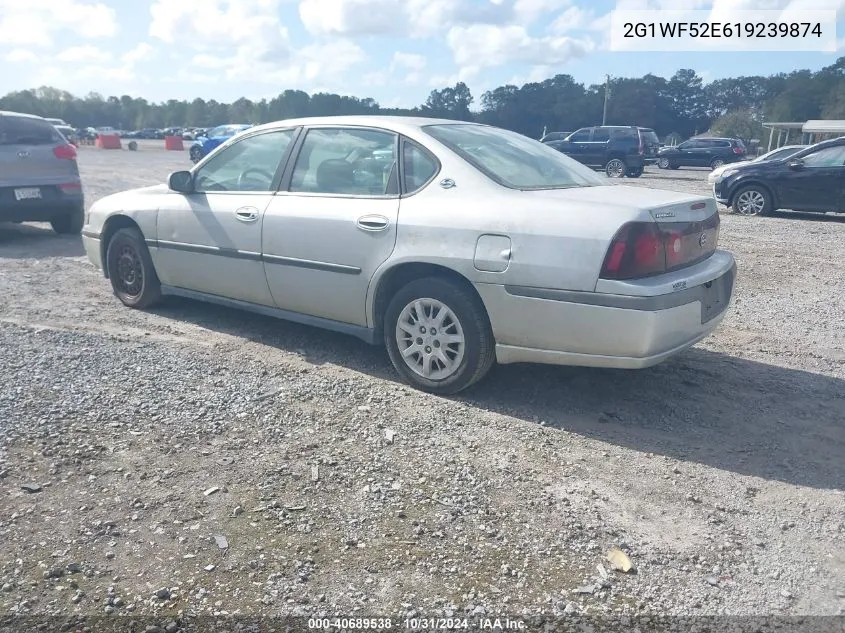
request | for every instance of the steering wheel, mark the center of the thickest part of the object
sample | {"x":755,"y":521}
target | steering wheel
{"x":254,"y":170}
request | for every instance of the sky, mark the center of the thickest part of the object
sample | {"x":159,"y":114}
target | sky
{"x":395,"y":51}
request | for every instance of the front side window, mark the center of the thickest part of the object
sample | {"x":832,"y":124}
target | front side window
{"x":513,"y":160}
{"x":346,"y":161}
{"x":580,"y":136}
{"x":418,"y":167}
{"x":247,"y":165}
{"x":827,"y":157}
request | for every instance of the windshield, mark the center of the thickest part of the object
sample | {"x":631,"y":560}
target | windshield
{"x":776,"y":154}
{"x":513,"y":160}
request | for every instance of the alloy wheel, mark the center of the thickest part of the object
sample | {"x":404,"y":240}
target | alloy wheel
{"x":751,"y":202}
{"x":430,"y":339}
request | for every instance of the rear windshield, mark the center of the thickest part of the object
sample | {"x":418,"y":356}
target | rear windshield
{"x":650,"y":136}
{"x":513,"y":160}
{"x":18,"y":130}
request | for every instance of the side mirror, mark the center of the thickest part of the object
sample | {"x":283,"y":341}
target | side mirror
{"x":181,"y":181}
{"x":796,"y":164}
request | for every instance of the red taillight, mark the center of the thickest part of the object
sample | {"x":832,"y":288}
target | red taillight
{"x":70,"y":187}
{"x":65,"y":152}
{"x":739,"y":150}
{"x":642,"y":249}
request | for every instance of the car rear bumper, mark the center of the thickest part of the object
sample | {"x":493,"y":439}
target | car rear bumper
{"x":53,"y":203}
{"x":601,"y":330}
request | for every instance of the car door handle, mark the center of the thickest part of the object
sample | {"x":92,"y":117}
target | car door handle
{"x":247,"y":214}
{"x":372,"y":223}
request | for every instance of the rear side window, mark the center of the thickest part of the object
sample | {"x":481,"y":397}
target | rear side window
{"x":624,"y":134}
{"x":739,"y":143}
{"x":600,"y":135}
{"x":18,"y":130}
{"x":418,"y":167}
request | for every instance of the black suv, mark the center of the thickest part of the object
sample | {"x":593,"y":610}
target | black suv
{"x":618,"y":150}
{"x":702,"y":152}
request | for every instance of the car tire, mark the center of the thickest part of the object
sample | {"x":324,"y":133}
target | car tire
{"x":69,"y":223}
{"x":663,"y":163}
{"x":752,"y":200}
{"x":636,"y":172}
{"x":466,"y":358}
{"x":195,"y":154}
{"x":131,"y":271}
{"x":716,"y":162}
{"x":615,"y":168}
{"x":674,"y":166}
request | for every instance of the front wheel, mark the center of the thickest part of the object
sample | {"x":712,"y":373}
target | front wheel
{"x":195,"y":154}
{"x":752,"y":200}
{"x":615,"y":168}
{"x":438,"y":335}
{"x":131,"y":272}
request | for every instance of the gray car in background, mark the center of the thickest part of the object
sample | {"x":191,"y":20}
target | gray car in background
{"x":39,"y":177}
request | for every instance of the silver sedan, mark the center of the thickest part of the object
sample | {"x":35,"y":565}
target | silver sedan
{"x":456,"y":245}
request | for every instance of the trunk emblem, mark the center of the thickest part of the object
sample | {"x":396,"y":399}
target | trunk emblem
{"x":702,"y":240}
{"x":23,"y":154}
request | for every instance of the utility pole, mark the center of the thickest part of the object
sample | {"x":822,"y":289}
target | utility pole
{"x":606,"y":95}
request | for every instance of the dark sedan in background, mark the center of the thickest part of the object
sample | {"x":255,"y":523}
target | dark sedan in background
{"x":812,"y":179}
{"x":702,"y":152}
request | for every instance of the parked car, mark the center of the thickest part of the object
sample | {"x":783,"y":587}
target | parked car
{"x":203,"y":145}
{"x":618,"y":150}
{"x":780,"y":152}
{"x":702,"y":152}
{"x":39,"y":177}
{"x":472,"y":245}
{"x":808,"y":180}
{"x":69,"y":133}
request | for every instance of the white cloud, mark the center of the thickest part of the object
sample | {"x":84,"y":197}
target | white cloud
{"x":488,"y":45}
{"x":36,"y":22}
{"x":414,"y":18}
{"x":86,"y":54}
{"x":141,"y":53}
{"x":351,"y":17}
{"x":409,"y":61}
{"x":20,"y":56}
{"x":573,"y":19}
{"x":464,"y":74}
{"x":526,"y":11}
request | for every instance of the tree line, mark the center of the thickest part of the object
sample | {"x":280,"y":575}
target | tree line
{"x":679,"y":106}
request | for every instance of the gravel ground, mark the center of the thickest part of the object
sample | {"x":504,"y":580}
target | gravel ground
{"x":198,"y":460}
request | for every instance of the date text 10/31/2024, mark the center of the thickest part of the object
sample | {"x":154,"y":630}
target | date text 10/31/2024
{"x":416,"y":624}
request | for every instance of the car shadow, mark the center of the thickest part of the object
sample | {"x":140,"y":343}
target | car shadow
{"x":722,"y":411}
{"x":27,"y":240}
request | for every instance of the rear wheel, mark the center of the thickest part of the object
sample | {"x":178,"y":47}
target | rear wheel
{"x":615,"y":168}
{"x":131,"y":272}
{"x":69,"y":223}
{"x":752,"y":200}
{"x":438,"y":335}
{"x":663,"y":163}
{"x":716,"y":162}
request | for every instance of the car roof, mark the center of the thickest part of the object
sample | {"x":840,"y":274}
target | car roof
{"x":23,"y":114}
{"x":396,"y":123}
